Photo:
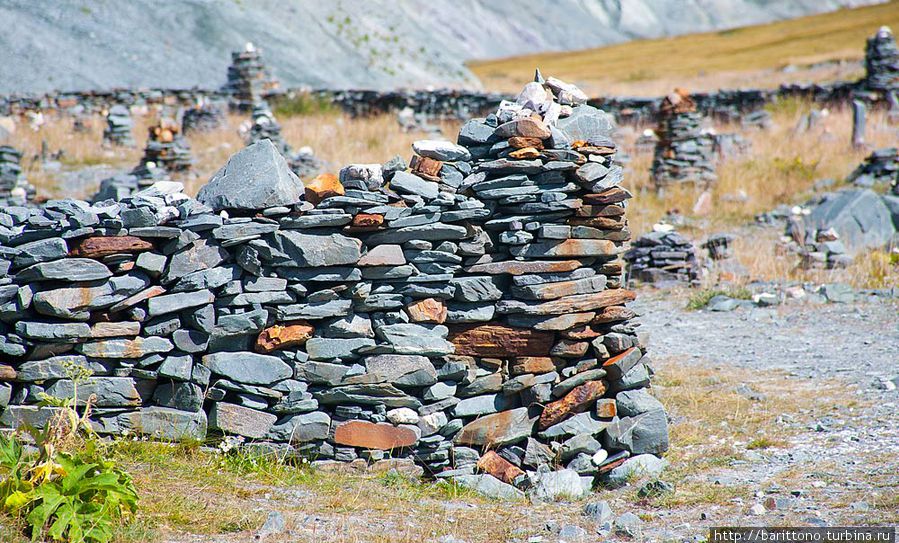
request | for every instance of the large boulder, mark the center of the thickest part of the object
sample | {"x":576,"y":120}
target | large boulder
{"x":254,"y":178}
{"x":859,"y":216}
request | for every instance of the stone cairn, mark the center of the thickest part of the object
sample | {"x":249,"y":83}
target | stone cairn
{"x":683,"y":154}
{"x":663,"y":258}
{"x":881,"y":62}
{"x":15,"y":190}
{"x":249,"y":80}
{"x":466,"y":314}
{"x":203,"y":117}
{"x":263,"y":125}
{"x":879,"y":168}
{"x":166,"y":148}
{"x":118,"y":127}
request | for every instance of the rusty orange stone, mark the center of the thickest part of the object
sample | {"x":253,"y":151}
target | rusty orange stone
{"x":603,"y":223}
{"x":281,"y":337}
{"x":100,"y":246}
{"x":7,"y":373}
{"x":368,"y":220}
{"x":425,"y":167}
{"x":525,"y":153}
{"x":577,"y":401}
{"x":499,"y":467}
{"x":532,"y":364}
{"x":613,"y":195}
{"x":427,"y":310}
{"x":606,"y":408}
{"x":580,"y":333}
{"x":499,"y":340}
{"x":615,"y":313}
{"x":323,"y":186}
{"x":521,"y":142}
{"x":370,"y":435}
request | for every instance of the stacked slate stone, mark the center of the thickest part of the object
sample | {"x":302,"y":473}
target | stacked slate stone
{"x":880,"y":168}
{"x":684,"y":154}
{"x":15,"y":190}
{"x":121,"y":186}
{"x":167,"y":148}
{"x":265,"y":126}
{"x":881,"y":62}
{"x":249,"y":80}
{"x":203,"y":117}
{"x":466,"y":312}
{"x":663,"y":258}
{"x":118,"y":126}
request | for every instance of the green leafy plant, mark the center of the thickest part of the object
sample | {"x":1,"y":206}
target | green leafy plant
{"x":69,"y":491}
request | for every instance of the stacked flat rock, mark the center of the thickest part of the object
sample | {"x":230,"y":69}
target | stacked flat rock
{"x":265,"y":126}
{"x":167,"y":148}
{"x":121,"y":186}
{"x":203,"y":117}
{"x":249,"y":80}
{"x":304,"y":163}
{"x":881,"y":62}
{"x":663,"y":258}
{"x":118,"y":126}
{"x":14,"y":187}
{"x":465,"y":311}
{"x":879,"y":168}
{"x":683,"y":154}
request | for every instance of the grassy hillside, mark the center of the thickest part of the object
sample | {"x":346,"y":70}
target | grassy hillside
{"x":754,"y":55}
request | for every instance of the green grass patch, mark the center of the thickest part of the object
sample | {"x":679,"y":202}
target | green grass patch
{"x":701,"y":298}
{"x":302,"y":103}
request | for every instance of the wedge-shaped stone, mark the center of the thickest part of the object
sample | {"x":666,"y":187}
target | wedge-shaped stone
{"x":98,"y":247}
{"x":170,"y":303}
{"x":622,"y":362}
{"x":577,"y":401}
{"x":568,"y":304}
{"x":370,"y":435}
{"x":498,"y":340}
{"x":76,"y":303}
{"x":497,"y":429}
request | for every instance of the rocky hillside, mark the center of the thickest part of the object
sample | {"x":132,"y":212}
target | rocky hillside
{"x":82,"y":44}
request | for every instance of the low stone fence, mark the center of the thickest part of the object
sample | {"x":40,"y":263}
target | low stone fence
{"x":465,"y":310}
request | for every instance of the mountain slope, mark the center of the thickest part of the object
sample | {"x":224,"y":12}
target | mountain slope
{"x":86,"y":44}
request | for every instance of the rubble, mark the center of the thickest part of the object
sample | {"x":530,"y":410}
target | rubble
{"x":471,"y":301}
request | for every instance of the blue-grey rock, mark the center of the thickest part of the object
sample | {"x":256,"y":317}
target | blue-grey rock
{"x":477,"y":289}
{"x":165,"y":423}
{"x":639,"y":434}
{"x":76,"y":303}
{"x":125,"y":348}
{"x":555,"y":485}
{"x":407,"y":183}
{"x":108,"y":391}
{"x":320,"y":348}
{"x":441,"y":150}
{"x":232,"y":419}
{"x":177,"y":367}
{"x":382,"y":393}
{"x":416,"y":339}
{"x":586,"y":123}
{"x":179,"y":395}
{"x":400,"y":370}
{"x":55,"y":367}
{"x":248,"y":368}
{"x":859,"y":216}
{"x":53,"y":332}
{"x":427,"y":232}
{"x":484,"y":405}
{"x":43,"y":250}
{"x":255,"y":178}
{"x":635,"y":402}
{"x":314,"y":250}
{"x":644,"y":465}
{"x":170,"y":303}
{"x":67,"y":269}
{"x":302,"y":428}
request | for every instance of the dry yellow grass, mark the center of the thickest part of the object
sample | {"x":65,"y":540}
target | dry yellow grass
{"x":752,"y":55}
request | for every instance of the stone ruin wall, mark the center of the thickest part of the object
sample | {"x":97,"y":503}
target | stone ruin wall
{"x":471,"y":302}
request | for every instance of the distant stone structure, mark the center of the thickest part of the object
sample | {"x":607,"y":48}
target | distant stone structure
{"x":118,"y":127}
{"x":683,"y":153}
{"x":15,"y":190}
{"x":204,"y":116}
{"x":249,"y":79}
{"x":167,"y":148}
{"x":881,"y":63}
{"x":663,"y":258}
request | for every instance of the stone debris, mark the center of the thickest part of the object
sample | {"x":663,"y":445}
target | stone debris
{"x":167,"y":148}
{"x":881,"y":62}
{"x":684,"y":153}
{"x":249,"y":80}
{"x":15,"y":190}
{"x":465,"y":309}
{"x":204,"y":116}
{"x":663,"y":258}
{"x":118,"y":127}
{"x":880,"y":168}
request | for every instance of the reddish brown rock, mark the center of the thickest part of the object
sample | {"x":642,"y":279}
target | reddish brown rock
{"x":370,"y":435}
{"x":600,"y":211}
{"x":567,"y":348}
{"x":519,"y":267}
{"x":135,"y":299}
{"x":115,"y":329}
{"x":427,"y":310}
{"x":499,"y":467}
{"x":622,"y":362}
{"x":7,"y":373}
{"x":499,"y":340}
{"x":368,"y":220}
{"x":611,"y":196}
{"x":519,"y":142}
{"x":100,"y":246}
{"x":526,"y":153}
{"x":606,"y":408}
{"x":281,"y":337}
{"x":497,"y":429}
{"x":571,"y":247}
{"x":323,"y":186}
{"x":576,"y":401}
{"x":581,"y":333}
{"x":383,"y":255}
{"x":427,"y":168}
{"x":604,"y":223}
{"x":530,"y":127}
{"x":615,"y":313}
{"x":532,"y":364}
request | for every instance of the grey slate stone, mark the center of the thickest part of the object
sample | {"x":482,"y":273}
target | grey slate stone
{"x":170,"y":303}
{"x":67,"y":269}
{"x":248,"y":368}
{"x":313,"y":250}
{"x":644,"y":433}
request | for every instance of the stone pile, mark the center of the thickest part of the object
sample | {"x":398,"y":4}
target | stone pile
{"x":683,"y":154}
{"x":124,"y":185}
{"x":167,"y":148}
{"x":118,"y":127}
{"x":15,"y":190}
{"x":663,"y":258}
{"x":879,"y":168}
{"x":881,"y":62}
{"x":263,"y":125}
{"x":465,"y":312}
{"x":203,"y":117}
{"x":249,"y":80}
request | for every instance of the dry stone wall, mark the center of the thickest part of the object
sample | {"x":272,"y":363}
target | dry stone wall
{"x":466,"y":311}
